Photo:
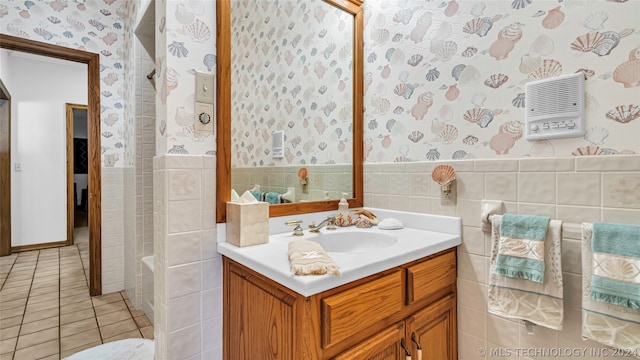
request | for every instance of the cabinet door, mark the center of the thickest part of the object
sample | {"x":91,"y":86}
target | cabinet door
{"x":434,"y":328}
{"x":383,"y":346}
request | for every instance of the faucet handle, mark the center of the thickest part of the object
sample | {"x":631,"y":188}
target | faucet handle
{"x":297,"y":231}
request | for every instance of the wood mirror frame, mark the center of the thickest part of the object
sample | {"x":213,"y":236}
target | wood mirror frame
{"x":223,"y":116}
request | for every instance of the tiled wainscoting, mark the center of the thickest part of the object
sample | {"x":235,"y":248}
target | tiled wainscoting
{"x":188,"y":269}
{"x":572,"y":189}
{"x":112,"y":229}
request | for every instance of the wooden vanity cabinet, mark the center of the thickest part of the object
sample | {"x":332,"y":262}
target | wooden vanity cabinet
{"x":364,"y":319}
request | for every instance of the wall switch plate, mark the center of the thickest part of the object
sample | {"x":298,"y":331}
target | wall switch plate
{"x":205,"y":88}
{"x":448,"y":194}
{"x":204,"y":118}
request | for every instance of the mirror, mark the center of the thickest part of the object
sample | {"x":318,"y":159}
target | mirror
{"x":289,"y":98}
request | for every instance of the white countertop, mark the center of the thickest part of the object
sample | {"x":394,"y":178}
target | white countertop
{"x":423,"y":235}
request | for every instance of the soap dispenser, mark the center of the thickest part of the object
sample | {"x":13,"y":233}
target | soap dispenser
{"x":344,"y":216}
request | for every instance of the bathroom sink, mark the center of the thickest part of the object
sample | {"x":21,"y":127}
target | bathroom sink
{"x":354,"y":241}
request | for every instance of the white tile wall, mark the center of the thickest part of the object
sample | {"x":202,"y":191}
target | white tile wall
{"x":112,"y":229}
{"x":572,"y":189}
{"x":188,"y":269}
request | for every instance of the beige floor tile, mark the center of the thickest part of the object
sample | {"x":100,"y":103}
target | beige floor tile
{"x":74,"y":291}
{"x":43,"y":284}
{"x":74,"y":299}
{"x":44,"y":290}
{"x":10,"y":332}
{"x":46,"y":272}
{"x":39,"y":325}
{"x":51,"y":357}
{"x":20,"y":276}
{"x":7,"y":356}
{"x":128,"y":335}
{"x":25,"y":341}
{"x":10,"y":284}
{"x":78,"y":327}
{"x":110,"y":307}
{"x":40,"y":276}
{"x":7,"y":313}
{"x":80,"y":339}
{"x":147,"y":332}
{"x":8,"y":304}
{"x":105,"y":299}
{"x":44,"y":305}
{"x":79,"y":348}
{"x":82,"y":305}
{"x":136,"y":313}
{"x":8,"y":345}
{"x":44,"y":297}
{"x":13,"y":295}
{"x":76,"y":316}
{"x":118,"y":328}
{"x":65,"y":285}
{"x":38,"y":351}
{"x":10,"y":322}
{"x":142,"y":321}
{"x":116,"y":316}
{"x":39,"y":315}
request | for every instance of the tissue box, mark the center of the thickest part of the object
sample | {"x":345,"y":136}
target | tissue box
{"x":247,"y":224}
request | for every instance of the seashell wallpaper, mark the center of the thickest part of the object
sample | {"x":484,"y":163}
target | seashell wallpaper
{"x":448,"y":77}
{"x":292,"y":71}
{"x":94,"y":26}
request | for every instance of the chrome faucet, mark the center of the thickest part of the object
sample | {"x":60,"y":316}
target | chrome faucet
{"x":330,"y":222}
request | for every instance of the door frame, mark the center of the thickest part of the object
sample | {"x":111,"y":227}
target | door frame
{"x":5,"y":177}
{"x":71,"y":198}
{"x":93,"y":131}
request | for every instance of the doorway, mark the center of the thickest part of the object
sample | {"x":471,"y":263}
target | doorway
{"x":92,"y":61}
{"x":77,"y":169}
{"x":5,"y":170}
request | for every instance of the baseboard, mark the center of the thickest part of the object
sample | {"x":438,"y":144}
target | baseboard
{"x":31,"y":247}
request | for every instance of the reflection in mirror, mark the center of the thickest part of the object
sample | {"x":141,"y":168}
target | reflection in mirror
{"x":291,"y":99}
{"x":290,"y":103}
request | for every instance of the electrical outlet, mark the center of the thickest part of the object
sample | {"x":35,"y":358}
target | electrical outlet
{"x":17,"y":167}
{"x":448,"y":194}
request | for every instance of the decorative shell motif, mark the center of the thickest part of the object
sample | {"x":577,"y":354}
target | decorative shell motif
{"x":554,"y":18}
{"x":587,"y":150}
{"x":198,"y":31}
{"x":518,"y":101}
{"x":628,"y":73}
{"x":470,"y":140}
{"x":596,"y":135}
{"x":482,"y":117}
{"x":302,"y":173}
{"x":432,"y":74}
{"x":588,"y":73}
{"x":496,"y":80}
{"x":624,"y":113}
{"x":416,"y":136}
{"x":405,"y":90}
{"x":415,"y":59}
{"x":512,"y":128}
{"x":447,"y":135}
{"x":362,"y":222}
{"x":587,"y":42}
{"x":478,"y":26}
{"x":595,"y":20}
{"x":469,"y":52}
{"x":344,"y":219}
{"x":549,"y":68}
{"x":443,"y":174}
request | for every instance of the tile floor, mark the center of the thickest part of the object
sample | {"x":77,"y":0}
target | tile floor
{"x":46,"y":311}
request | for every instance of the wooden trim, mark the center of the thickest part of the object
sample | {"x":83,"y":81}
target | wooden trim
{"x":41,"y":246}
{"x":223,"y":116}
{"x":5,"y":175}
{"x":93,"y":123}
{"x":71,"y":201}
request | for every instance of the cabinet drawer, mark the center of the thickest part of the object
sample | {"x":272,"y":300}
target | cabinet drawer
{"x":354,"y":310}
{"x":429,"y":277}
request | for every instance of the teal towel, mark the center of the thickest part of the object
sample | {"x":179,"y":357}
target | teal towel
{"x":616,"y":253}
{"x":518,"y":235}
{"x":524,"y":226}
{"x":272,"y":198}
{"x":259,"y":195}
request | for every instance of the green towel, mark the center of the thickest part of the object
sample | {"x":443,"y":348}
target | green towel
{"x":521,"y":248}
{"x":259,"y":195}
{"x":272,"y":198}
{"x":616,"y":260}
